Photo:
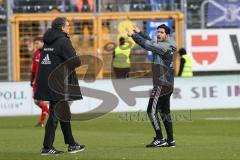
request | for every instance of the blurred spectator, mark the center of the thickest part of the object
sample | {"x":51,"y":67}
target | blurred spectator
{"x":26,"y":47}
{"x":185,"y":69}
{"x":193,"y":13}
{"x":64,"y":5}
{"x":32,"y":6}
{"x":157,"y":5}
{"x":2,"y":13}
{"x":84,"y":5}
{"x":154,"y":5}
{"x":121,"y":59}
{"x":168,"y":4}
{"x":83,"y":29}
{"x":138,"y":5}
{"x":2,"y":17}
{"x":107,"y":6}
{"x":123,"y":5}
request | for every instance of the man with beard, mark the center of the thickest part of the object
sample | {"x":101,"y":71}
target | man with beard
{"x":163,"y":79}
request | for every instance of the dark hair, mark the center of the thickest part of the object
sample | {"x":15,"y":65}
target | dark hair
{"x":166,"y":28}
{"x":121,"y":40}
{"x":38,"y":39}
{"x":59,"y":22}
{"x":182,"y":51}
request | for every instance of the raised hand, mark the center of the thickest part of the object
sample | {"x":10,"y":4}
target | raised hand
{"x":136,"y":29}
{"x":129,"y":32}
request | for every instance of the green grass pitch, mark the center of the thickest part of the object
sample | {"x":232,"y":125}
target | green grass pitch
{"x":199,"y":135}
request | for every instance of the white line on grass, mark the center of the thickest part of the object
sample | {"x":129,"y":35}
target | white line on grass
{"x":221,"y":118}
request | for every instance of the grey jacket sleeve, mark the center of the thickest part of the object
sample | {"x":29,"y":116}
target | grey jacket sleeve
{"x":151,"y":45}
{"x":144,"y":35}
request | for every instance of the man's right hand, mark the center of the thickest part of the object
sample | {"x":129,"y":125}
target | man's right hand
{"x":136,"y":29}
{"x":129,"y":32}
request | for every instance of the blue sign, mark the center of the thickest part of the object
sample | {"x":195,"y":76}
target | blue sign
{"x":224,"y":13}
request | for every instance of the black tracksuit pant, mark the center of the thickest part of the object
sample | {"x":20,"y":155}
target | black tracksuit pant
{"x":159,"y":102}
{"x":58,"y":109}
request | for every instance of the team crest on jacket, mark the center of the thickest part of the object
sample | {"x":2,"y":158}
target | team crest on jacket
{"x":46,"y":60}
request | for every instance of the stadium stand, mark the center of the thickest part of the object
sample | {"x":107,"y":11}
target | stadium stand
{"x":83,"y":30}
{"x":33,"y":6}
{"x":3,"y":42}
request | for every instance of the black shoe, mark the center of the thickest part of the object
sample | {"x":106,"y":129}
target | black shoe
{"x":50,"y":151}
{"x":157,"y":143}
{"x":171,"y":144}
{"x":76,"y":148}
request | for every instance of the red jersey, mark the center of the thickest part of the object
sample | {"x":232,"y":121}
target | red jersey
{"x":35,"y":65}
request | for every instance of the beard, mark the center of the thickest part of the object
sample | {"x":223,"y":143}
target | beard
{"x":159,"y":39}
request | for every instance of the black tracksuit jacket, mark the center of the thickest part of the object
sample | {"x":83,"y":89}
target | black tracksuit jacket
{"x":57,"y":79}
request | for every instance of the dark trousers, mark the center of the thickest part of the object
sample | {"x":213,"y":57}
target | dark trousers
{"x":159,"y":102}
{"x":56,"y":109}
{"x":121,"y":72}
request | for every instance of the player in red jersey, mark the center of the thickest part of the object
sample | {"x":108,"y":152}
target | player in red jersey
{"x":38,"y":42}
